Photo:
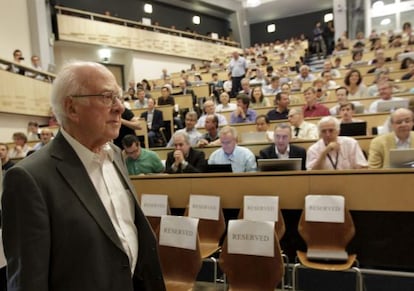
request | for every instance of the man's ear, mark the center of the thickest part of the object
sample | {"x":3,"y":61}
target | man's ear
{"x":71,"y":109}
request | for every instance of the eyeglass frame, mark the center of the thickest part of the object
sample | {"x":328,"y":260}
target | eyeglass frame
{"x":113,"y":96}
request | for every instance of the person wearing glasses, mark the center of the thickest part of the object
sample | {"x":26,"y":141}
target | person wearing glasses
{"x":69,"y":211}
{"x":333,"y":152}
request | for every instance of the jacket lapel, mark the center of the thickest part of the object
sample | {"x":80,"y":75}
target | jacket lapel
{"x":74,"y":173}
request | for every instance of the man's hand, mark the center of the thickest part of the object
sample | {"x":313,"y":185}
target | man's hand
{"x":178,"y":157}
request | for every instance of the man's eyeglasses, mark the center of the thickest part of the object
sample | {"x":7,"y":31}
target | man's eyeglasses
{"x":109,"y":98}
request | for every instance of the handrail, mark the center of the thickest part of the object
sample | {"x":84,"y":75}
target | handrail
{"x":48,"y":76}
{"x":155,"y":28}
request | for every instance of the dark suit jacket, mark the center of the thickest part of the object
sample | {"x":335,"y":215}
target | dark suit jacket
{"x":57,"y":234}
{"x":196,"y":162}
{"x":169,"y":101}
{"x":157,"y":119}
{"x":295,"y":152}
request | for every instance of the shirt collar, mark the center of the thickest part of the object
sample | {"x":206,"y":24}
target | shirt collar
{"x":87,"y":156}
{"x":286,"y":153}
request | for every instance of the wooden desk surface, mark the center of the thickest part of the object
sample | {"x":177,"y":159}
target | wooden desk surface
{"x":368,"y":190}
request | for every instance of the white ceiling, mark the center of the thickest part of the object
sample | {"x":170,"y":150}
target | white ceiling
{"x":276,"y":9}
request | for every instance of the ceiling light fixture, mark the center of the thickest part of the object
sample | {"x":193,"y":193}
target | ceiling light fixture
{"x":252,"y":3}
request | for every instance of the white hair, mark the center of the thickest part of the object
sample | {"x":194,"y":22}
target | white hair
{"x":327,"y":119}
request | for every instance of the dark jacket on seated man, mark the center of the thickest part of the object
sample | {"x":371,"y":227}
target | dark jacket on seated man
{"x":294,"y":152}
{"x":195,"y":163}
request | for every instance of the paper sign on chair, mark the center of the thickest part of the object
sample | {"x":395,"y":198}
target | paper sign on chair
{"x":251,"y":238}
{"x":178,"y":231}
{"x":261,"y":208}
{"x":154,"y":205}
{"x":325,"y":208}
{"x":204,"y":207}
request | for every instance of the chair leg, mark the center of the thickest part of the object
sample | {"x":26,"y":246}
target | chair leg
{"x":359,"y":279}
{"x":214,"y":260}
{"x":286,"y":273}
{"x":294,"y":274}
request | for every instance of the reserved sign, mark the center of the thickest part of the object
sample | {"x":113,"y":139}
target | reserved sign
{"x":155,"y":205}
{"x":251,"y":237}
{"x":204,"y":207}
{"x":261,"y":208}
{"x":325,"y":208}
{"x":178,"y":231}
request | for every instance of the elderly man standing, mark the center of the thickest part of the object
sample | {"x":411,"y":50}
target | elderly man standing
{"x":240,"y":158}
{"x":184,"y":159}
{"x":401,"y":137}
{"x":282,"y":149}
{"x":237,"y":67}
{"x":333,"y":152}
{"x":70,"y":216}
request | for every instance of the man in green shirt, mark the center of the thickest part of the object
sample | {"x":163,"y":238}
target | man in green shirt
{"x":140,"y":160}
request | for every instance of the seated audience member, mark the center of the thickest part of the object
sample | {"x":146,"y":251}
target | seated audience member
{"x":281,"y":110}
{"x":17,"y":58}
{"x":263,"y":125}
{"x":410,"y":74}
{"x":46,"y":136}
{"x":356,"y":59}
{"x":210,"y":108}
{"x":193,"y":134}
{"x":216,"y":85}
{"x":320,"y":90}
{"x":240,"y":158}
{"x":327,"y":67}
{"x":379,"y":58}
{"x":211,"y":137}
{"x":346,"y":111}
{"x":353,"y":82}
{"x":32,"y":131}
{"x":380,"y":77}
{"x":341,"y":95}
{"x":273,"y":88}
{"x":154,"y":120}
{"x":284,"y":75}
{"x":130,"y":95}
{"x":312,"y":108}
{"x":184,"y":159}
{"x":165,"y":98}
{"x":259,"y":80}
{"x":305,"y":75}
{"x":301,"y":129}
{"x":140,"y":160}
{"x":21,"y":147}
{"x":282,"y":149}
{"x":4,"y":157}
{"x":378,"y":66}
{"x":245,"y":87}
{"x":328,"y":83}
{"x":334,"y":152}
{"x":257,"y":99}
{"x":225,"y":104}
{"x":243,"y":114}
{"x":385,"y":94}
{"x":285,"y":88}
{"x":36,"y":64}
{"x":401,"y":137}
{"x":185,"y":90}
{"x":142,"y":101}
{"x":227,"y":85}
{"x":164,"y":74}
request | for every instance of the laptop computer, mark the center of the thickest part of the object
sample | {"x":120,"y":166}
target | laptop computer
{"x":219,"y":168}
{"x":326,"y":255}
{"x":253,"y":137}
{"x":359,"y":108}
{"x":293,"y":164}
{"x":385,"y":106}
{"x":402,"y":158}
{"x":353,"y":129}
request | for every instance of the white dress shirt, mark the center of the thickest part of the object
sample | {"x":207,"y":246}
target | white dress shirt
{"x":118,"y":202}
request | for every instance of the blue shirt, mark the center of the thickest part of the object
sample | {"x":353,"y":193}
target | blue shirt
{"x":250,"y":117}
{"x":241,"y":160}
{"x":238,"y":67}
